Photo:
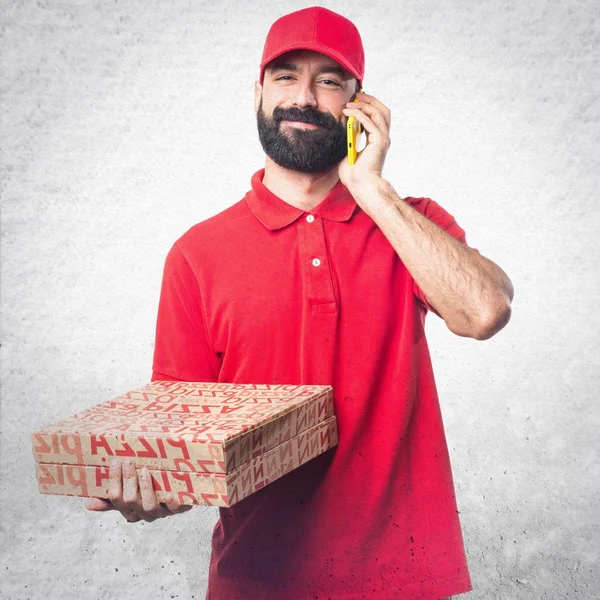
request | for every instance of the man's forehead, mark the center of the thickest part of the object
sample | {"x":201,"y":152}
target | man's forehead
{"x":299,"y":59}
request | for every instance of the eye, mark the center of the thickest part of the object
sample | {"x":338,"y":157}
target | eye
{"x":330,"y":82}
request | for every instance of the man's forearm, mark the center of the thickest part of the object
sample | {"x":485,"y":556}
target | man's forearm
{"x":471,"y":293}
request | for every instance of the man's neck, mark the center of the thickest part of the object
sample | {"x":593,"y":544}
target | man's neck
{"x":302,"y":190}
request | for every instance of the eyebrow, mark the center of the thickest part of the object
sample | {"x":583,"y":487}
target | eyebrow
{"x":281,"y":66}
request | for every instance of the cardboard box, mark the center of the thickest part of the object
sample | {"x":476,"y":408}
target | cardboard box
{"x":209,"y":443}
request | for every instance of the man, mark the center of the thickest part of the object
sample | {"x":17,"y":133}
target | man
{"x":322,"y":274}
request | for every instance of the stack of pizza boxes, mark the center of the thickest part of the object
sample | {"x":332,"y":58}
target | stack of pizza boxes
{"x":204,"y":443}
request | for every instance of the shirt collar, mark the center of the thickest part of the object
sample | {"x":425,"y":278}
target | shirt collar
{"x":275,"y":213}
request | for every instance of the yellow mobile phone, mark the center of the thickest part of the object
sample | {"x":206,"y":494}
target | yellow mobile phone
{"x":353,"y":129}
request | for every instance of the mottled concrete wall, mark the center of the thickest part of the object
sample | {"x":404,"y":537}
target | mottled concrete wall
{"x":123,"y":123}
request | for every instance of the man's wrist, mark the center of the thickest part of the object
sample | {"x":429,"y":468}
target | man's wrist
{"x":370,"y":192}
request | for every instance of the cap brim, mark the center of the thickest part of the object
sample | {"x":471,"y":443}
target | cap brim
{"x":315,"y":48}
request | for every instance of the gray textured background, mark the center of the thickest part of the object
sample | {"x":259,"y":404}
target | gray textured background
{"x":123,"y":123}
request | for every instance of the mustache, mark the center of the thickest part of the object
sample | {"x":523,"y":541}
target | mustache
{"x":308,"y":115}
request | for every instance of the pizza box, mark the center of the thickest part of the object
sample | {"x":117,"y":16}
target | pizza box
{"x":207,"y":443}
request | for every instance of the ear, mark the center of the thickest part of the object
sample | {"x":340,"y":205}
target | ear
{"x":257,"y":96}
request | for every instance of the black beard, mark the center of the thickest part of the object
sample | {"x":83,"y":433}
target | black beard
{"x":308,"y":151}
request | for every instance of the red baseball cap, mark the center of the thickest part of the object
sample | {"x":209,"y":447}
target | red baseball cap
{"x":320,"y":30}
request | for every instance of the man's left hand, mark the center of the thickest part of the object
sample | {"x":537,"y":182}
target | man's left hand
{"x":375,"y":118}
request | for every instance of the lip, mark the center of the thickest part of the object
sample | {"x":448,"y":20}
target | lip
{"x":300,"y":125}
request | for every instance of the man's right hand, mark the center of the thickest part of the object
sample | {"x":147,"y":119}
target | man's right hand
{"x":130,"y":492}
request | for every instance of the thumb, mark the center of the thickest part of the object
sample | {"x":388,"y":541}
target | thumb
{"x":98,"y":504}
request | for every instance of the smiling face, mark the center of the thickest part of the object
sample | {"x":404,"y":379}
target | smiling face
{"x":299,"y":106}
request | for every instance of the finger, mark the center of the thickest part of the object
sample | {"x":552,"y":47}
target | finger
{"x":115,"y":483}
{"x":377,"y":104}
{"x":130,"y":483}
{"x":373,"y":113}
{"x":131,"y":516}
{"x":374,"y":133}
{"x":98,"y":504}
{"x":377,"y":115}
{"x":173,"y":504}
{"x":149,"y":502}
{"x":362,"y":118}
{"x":372,"y":101}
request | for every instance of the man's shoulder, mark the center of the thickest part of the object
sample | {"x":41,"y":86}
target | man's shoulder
{"x":218,"y":227}
{"x":438,"y":215}
{"x":419,"y":203}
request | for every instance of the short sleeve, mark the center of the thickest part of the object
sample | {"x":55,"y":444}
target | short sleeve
{"x":182,"y":350}
{"x":443,"y":219}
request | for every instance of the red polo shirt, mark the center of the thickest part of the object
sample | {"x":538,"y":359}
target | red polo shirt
{"x":267,"y":293}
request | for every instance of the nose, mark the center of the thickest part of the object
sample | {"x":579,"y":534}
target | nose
{"x":304,"y":96}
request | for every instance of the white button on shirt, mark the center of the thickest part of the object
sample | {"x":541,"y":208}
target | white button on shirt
{"x":316,"y":262}
{"x":310,"y":218}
